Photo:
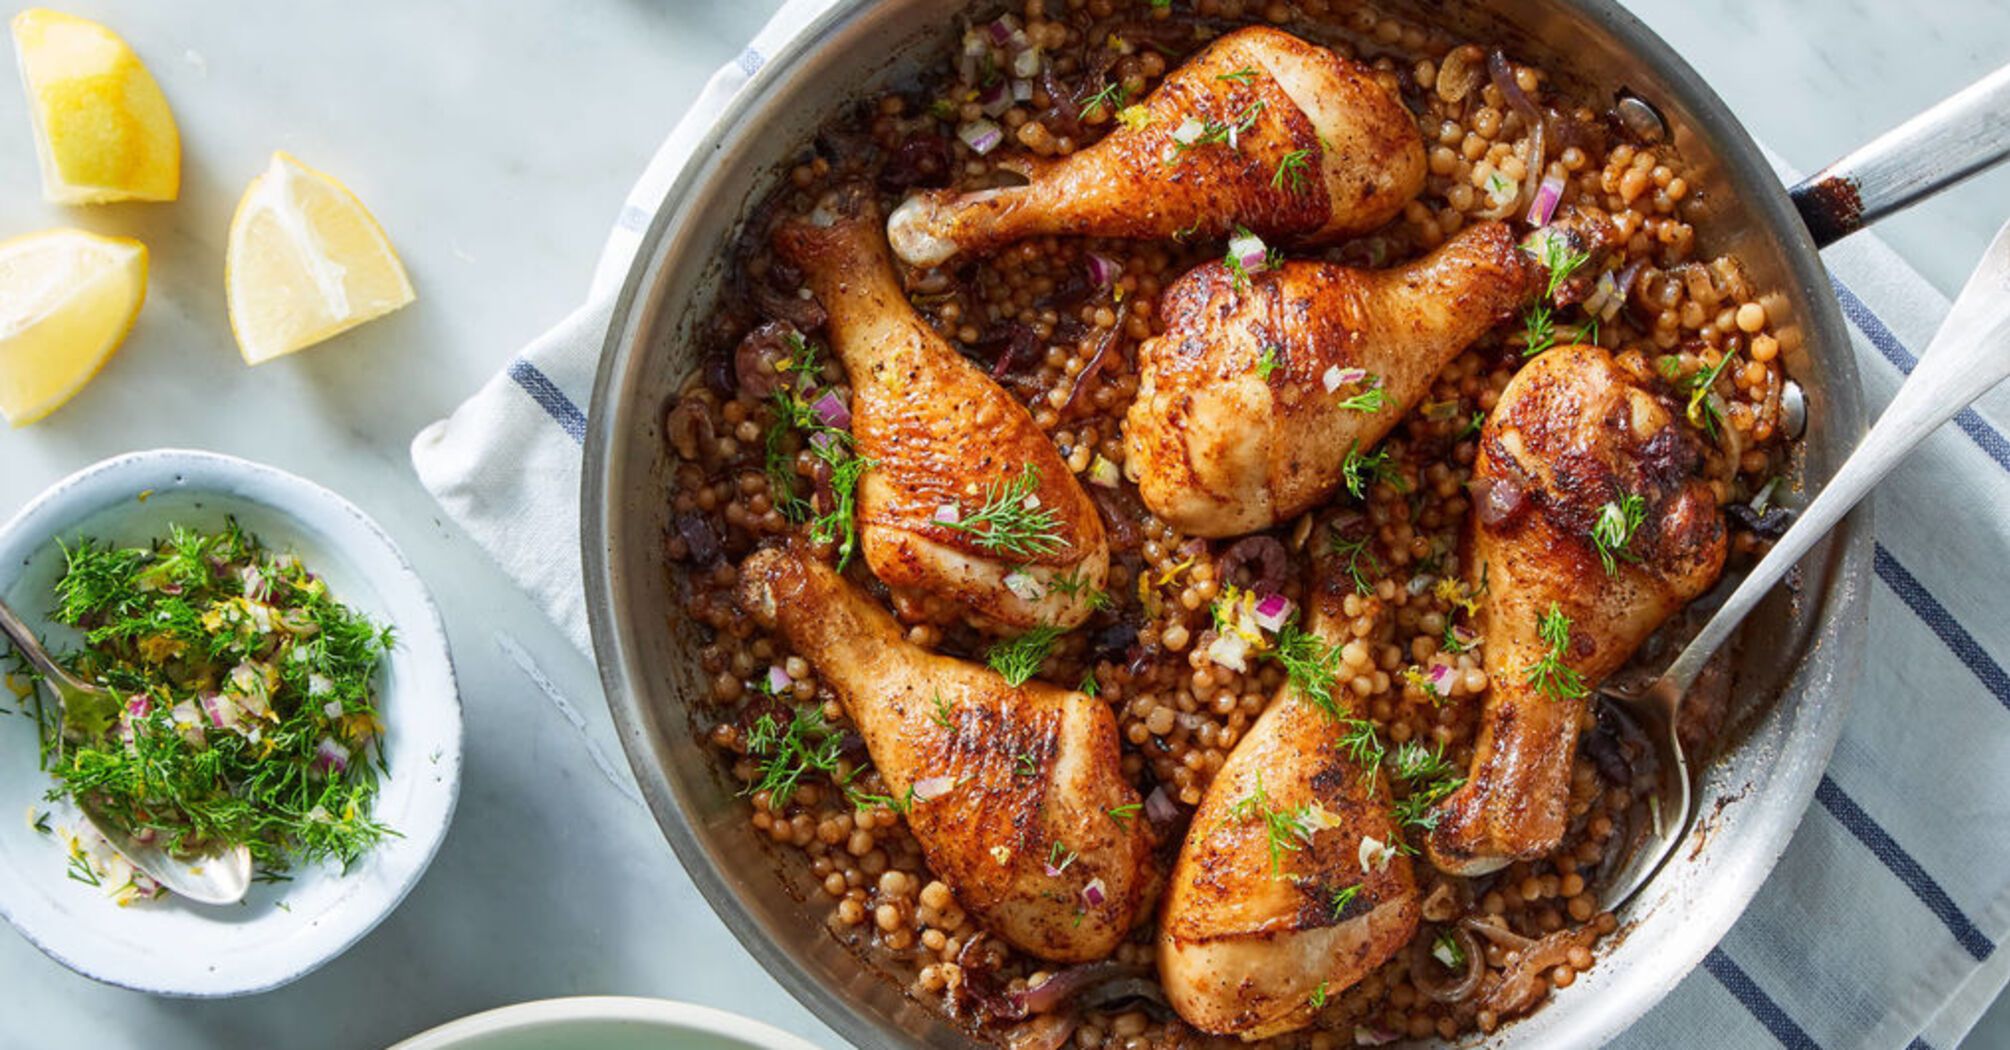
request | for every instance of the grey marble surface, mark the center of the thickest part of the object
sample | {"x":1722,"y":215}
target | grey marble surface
{"x":495,"y":142}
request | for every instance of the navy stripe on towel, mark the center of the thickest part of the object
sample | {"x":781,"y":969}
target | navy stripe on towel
{"x":1942,"y":623}
{"x":1873,"y":327}
{"x":1742,"y":988}
{"x":1886,"y":849}
{"x":1918,"y":1044}
{"x":550,"y":398}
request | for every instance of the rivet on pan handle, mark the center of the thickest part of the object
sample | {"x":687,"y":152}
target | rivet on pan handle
{"x":1962,"y":136}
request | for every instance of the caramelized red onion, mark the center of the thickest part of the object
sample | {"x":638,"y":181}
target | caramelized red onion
{"x":1265,"y":558}
{"x":759,"y":359}
{"x":1498,"y":499}
{"x":1521,"y":985}
{"x":1425,"y":968}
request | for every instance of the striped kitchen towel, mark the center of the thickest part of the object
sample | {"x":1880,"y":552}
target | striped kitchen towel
{"x":1879,"y":929}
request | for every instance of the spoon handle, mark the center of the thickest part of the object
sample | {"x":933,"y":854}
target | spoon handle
{"x":1970,"y":355}
{"x":29,"y":646}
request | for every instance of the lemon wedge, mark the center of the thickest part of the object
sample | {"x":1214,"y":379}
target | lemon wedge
{"x":103,"y":130}
{"x":305,"y":262}
{"x":67,"y":300}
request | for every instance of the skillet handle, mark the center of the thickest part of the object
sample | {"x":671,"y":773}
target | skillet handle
{"x":1962,"y":136}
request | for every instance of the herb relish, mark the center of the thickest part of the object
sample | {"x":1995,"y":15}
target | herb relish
{"x":245,"y":710}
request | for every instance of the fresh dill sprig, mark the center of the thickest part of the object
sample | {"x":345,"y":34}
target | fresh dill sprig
{"x":1453,"y":643}
{"x":1012,"y":519}
{"x":1359,"y":470}
{"x":943,"y":710}
{"x":1318,"y":997}
{"x":1112,"y":96}
{"x":1702,"y":412}
{"x":1548,"y":674}
{"x":1538,"y":331}
{"x":1472,"y":427}
{"x":1363,"y":746}
{"x":1355,"y":550}
{"x":1343,"y":897}
{"x":1311,"y":665}
{"x":1284,"y":831}
{"x":1240,"y":76}
{"x":786,"y":754}
{"x":840,"y":525}
{"x":1025,"y":764}
{"x":1291,"y":168}
{"x":1213,"y":131}
{"x":1556,"y":256}
{"x":1446,"y":950}
{"x":1018,"y":659}
{"x":1121,"y":815}
{"x":1059,"y":857}
{"x":1089,"y":687}
{"x":1371,"y":400}
{"x":1076,"y":583}
{"x":1612,"y":533}
{"x":1268,"y":362}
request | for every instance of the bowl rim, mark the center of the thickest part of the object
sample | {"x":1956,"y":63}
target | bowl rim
{"x":1832,"y":656}
{"x":295,"y":495}
{"x":668,"y":1013}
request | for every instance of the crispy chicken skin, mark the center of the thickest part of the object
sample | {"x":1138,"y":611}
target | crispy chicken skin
{"x":1219,"y":448}
{"x":1365,"y":161}
{"x":1244,"y":950}
{"x":940,"y":432}
{"x":1027,"y":776}
{"x":1571,"y":432}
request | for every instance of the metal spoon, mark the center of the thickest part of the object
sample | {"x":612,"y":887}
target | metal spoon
{"x":1969,"y":355}
{"x":212,"y":879}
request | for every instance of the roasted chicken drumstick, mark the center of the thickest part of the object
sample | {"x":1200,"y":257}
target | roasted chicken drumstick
{"x":966,"y":498}
{"x":1261,"y":129}
{"x":1573,"y":439}
{"x":1257,"y":931}
{"x":1250,"y":402}
{"x":1009,"y":789}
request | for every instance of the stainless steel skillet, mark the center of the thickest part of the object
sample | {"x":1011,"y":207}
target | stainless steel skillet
{"x":1799,"y":657}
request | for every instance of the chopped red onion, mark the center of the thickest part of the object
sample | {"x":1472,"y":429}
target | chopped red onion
{"x":930,"y":788}
{"x":1031,"y":502}
{"x":1272,"y":612}
{"x":1002,"y":29}
{"x":1022,"y":90}
{"x":330,"y":755}
{"x":982,"y":136}
{"x":1231,"y":651}
{"x":831,"y":411}
{"x":319,"y":685}
{"x":1023,"y":585}
{"x":185,"y":714}
{"x":1464,"y":636}
{"x":778,"y":679}
{"x":949,"y":514}
{"x":1027,"y":64}
{"x":332,"y":710}
{"x":995,"y":99}
{"x":1092,"y":894}
{"x":1440,"y":676}
{"x":1103,"y":472}
{"x":256,"y":587}
{"x":1189,"y":131}
{"x":1365,"y":1036}
{"x":144,"y":836}
{"x":1547,"y":196}
{"x":1159,"y":806}
{"x":1102,"y":272}
{"x":221,"y":709}
{"x":139,"y":705}
{"x":1337,"y":377}
{"x":1248,"y":250}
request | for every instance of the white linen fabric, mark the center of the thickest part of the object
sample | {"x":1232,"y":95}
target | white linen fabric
{"x":1880,"y":927}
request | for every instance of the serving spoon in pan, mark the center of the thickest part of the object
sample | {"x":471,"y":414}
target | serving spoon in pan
{"x":1969,"y":356}
{"x":209,"y":879}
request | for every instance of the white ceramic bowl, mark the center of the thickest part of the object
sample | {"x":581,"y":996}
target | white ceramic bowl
{"x":604,"y":1023}
{"x":282,"y":930}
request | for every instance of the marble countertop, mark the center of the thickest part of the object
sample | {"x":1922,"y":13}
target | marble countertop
{"x":496,"y":151}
